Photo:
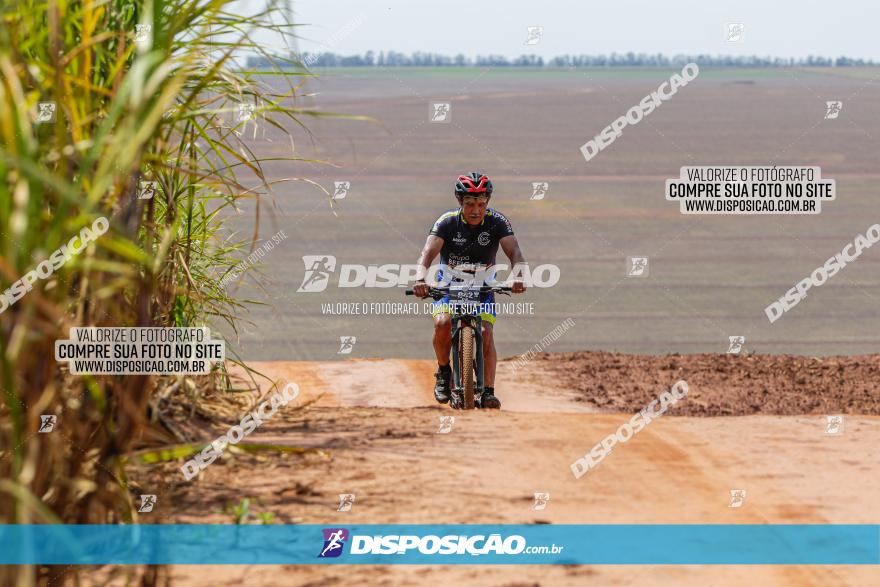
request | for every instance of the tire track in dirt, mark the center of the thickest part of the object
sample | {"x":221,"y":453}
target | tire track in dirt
{"x":696,"y":468}
{"x":677,"y":470}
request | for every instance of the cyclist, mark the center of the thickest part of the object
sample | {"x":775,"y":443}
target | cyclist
{"x":468,"y":236}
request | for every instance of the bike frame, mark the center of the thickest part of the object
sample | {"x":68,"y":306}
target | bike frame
{"x":460,"y":319}
{"x":476,"y":324}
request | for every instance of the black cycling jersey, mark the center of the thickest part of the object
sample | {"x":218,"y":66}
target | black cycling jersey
{"x":464,"y":244}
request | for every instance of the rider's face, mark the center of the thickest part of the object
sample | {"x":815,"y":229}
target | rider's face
{"x":474,"y":209}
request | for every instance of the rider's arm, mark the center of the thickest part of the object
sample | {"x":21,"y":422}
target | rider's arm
{"x":429,"y":252}
{"x":510,"y":246}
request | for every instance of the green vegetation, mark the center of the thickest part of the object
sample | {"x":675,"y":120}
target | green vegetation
{"x":144,"y":91}
{"x":242,"y":514}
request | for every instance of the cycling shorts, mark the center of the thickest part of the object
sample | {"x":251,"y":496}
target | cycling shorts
{"x":487,"y":299}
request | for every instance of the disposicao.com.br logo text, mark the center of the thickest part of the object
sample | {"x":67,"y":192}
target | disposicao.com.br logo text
{"x":451,"y":544}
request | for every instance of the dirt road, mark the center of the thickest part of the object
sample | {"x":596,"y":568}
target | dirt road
{"x":377,"y":424}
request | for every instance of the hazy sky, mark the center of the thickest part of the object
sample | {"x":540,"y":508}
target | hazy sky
{"x":787,"y":28}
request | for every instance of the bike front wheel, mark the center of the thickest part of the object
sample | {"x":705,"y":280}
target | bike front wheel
{"x":466,"y":361}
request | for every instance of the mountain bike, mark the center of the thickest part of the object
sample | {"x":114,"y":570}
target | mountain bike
{"x":467,"y":338}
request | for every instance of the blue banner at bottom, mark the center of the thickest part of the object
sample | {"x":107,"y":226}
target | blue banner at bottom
{"x":697,"y":544}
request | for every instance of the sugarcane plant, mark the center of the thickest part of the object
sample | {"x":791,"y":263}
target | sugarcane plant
{"x":130,"y":119}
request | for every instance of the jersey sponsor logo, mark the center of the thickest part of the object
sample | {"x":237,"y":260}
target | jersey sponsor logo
{"x":455,"y":260}
{"x":483,"y":239}
{"x":500,"y":217}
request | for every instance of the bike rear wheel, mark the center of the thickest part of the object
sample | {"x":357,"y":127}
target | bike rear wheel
{"x":466,"y":360}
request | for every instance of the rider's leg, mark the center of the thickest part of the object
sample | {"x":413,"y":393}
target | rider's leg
{"x":489,"y":355}
{"x":442,"y":346}
{"x":488,"y":399}
{"x":443,"y":338}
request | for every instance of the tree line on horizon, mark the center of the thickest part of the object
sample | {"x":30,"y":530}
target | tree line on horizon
{"x":421,"y":59}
